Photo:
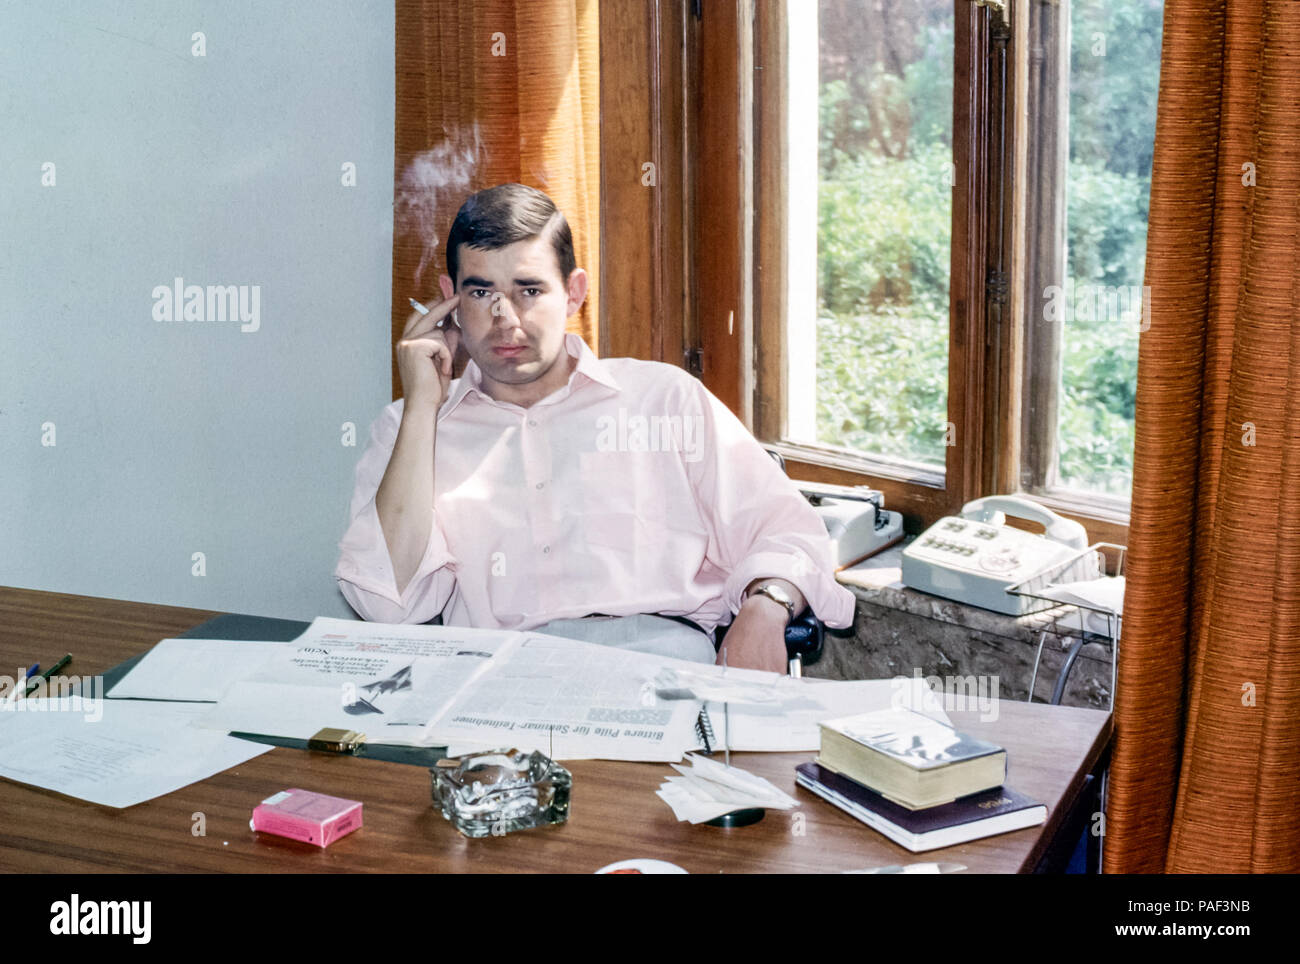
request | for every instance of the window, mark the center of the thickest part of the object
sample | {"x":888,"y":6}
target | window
{"x":960,"y":298}
{"x":1093,"y":73}
{"x":874,"y":175}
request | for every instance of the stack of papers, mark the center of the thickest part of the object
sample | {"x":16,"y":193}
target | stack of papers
{"x":709,"y":789}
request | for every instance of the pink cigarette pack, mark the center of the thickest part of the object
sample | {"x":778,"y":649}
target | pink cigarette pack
{"x":303,"y":815}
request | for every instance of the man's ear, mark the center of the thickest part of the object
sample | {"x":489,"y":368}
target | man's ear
{"x":448,"y":289}
{"x":577,"y":290}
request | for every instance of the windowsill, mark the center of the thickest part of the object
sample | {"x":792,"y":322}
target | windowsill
{"x":1105,"y":508}
{"x":911,"y":472}
{"x":900,"y":631}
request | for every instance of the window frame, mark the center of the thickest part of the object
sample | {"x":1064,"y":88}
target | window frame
{"x":987,"y":316}
{"x":1041,"y":239}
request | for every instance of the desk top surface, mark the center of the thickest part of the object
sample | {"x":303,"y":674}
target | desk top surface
{"x":615,"y":814}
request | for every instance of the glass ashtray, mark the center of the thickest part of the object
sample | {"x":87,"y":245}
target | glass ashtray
{"x":500,"y":791}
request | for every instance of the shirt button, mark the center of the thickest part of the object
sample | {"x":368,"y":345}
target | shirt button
{"x":540,"y":484}
{"x":533,"y":422}
{"x":545,"y":549}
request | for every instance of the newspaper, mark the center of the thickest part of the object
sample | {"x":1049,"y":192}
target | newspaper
{"x":389,"y":682}
{"x":476,"y":689}
{"x":572,"y":700}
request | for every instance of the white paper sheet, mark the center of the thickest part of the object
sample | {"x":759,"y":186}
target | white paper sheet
{"x":716,"y":684}
{"x":1105,"y":593}
{"x":708,"y":789}
{"x":194,"y":669}
{"x":791,"y":723}
{"x":416,"y":639}
{"x":136,"y":751}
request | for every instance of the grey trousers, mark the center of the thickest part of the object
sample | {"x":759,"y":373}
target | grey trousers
{"x":643,"y":633}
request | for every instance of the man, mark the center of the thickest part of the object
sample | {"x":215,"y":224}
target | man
{"x":546,"y":485}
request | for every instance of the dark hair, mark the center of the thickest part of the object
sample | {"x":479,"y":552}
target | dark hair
{"x":499,"y":216}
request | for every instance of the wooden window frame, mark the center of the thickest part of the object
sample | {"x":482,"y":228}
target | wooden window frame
{"x":1042,"y":154}
{"x":736,"y":299}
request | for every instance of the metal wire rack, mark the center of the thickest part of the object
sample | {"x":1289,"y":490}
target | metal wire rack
{"x":1076,"y":624}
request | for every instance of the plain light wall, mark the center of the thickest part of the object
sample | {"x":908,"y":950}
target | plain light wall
{"x":183,"y":437}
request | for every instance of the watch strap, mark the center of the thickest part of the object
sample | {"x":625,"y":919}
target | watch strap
{"x":776,"y":595}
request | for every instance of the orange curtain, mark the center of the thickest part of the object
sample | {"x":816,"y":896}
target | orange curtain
{"x":1205,"y":775}
{"x":491,"y":91}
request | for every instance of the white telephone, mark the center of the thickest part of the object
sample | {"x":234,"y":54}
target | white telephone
{"x":975,"y":557}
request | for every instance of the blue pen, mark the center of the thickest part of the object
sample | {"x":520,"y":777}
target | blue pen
{"x":18,"y":684}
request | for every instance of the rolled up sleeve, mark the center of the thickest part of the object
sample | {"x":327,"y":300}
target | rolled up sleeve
{"x":760,"y":525}
{"x":365,"y":569}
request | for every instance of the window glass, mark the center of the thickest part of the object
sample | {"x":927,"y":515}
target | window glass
{"x":870,"y":372}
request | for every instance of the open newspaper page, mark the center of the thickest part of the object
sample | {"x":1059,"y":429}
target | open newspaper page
{"x":386,"y":681}
{"x":573,"y":701}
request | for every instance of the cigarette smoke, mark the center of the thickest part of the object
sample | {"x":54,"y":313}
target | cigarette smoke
{"x":432,"y":187}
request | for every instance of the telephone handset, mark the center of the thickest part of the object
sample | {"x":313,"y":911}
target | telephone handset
{"x":975,"y":557}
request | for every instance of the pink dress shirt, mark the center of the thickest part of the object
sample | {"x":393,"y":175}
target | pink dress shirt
{"x":632,"y":489}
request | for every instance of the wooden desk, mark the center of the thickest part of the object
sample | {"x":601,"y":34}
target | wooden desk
{"x":615,"y":814}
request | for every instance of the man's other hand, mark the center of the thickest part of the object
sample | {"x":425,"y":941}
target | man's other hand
{"x":756,"y":639}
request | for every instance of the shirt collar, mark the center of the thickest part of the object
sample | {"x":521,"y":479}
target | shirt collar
{"x":588,"y":366}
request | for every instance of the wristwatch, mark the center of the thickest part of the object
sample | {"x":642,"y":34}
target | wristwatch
{"x":775,"y":592}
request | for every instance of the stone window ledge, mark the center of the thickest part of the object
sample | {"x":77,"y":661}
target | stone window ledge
{"x":900,"y":631}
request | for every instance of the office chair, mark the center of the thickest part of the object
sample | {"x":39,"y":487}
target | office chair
{"x":805,"y":638}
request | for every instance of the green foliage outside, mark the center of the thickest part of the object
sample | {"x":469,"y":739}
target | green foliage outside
{"x":885,"y":231}
{"x":882,"y":334}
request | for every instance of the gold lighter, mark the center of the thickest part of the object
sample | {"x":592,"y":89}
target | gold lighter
{"x":335,"y":740}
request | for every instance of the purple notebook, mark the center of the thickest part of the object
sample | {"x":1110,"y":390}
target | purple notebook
{"x":981,"y":814}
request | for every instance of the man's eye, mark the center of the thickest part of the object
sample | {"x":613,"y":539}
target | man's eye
{"x":479,"y":291}
{"x":532,"y":292}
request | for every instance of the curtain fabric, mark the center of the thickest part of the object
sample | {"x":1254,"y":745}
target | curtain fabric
{"x":498,"y":91}
{"x":1205,"y":775}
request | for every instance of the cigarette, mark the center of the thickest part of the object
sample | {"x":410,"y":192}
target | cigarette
{"x":442,"y":322}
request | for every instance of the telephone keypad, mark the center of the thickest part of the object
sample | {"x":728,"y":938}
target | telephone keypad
{"x":943,"y":545}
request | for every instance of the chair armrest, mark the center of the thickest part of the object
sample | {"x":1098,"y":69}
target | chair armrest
{"x":805,"y":638}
